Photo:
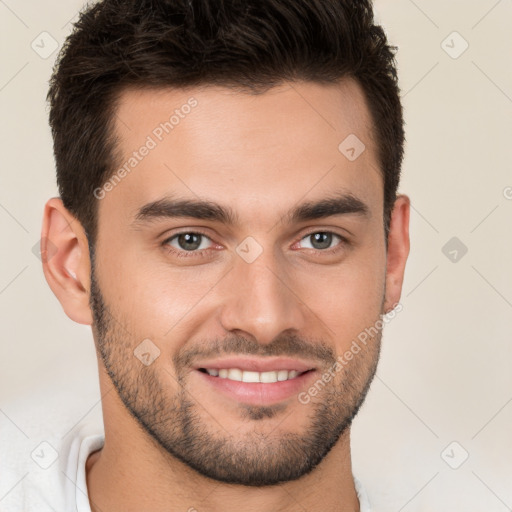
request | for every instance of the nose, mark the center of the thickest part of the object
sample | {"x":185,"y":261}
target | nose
{"x":260,"y":301}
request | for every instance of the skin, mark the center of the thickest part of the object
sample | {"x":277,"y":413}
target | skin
{"x":261,"y":156}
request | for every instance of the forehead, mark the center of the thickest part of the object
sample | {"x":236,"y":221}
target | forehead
{"x":257,"y":153}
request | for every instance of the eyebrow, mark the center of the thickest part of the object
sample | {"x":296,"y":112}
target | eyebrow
{"x":167,"y":207}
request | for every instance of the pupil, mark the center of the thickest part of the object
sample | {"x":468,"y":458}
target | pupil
{"x":321,"y":240}
{"x":189,"y":241}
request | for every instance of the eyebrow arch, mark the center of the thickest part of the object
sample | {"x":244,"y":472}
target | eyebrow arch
{"x":167,"y":207}
{"x":176,"y":208}
{"x":343,"y":204}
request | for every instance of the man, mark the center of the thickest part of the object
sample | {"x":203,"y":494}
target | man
{"x":229,"y":225}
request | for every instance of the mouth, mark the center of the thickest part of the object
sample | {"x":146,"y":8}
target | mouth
{"x":249,"y":376}
{"x":255,"y":381}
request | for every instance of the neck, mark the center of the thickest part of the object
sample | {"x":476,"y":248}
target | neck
{"x":121,"y":478}
{"x":132,"y":472}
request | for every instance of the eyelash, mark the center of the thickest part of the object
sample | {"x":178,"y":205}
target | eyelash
{"x":206,"y":252}
{"x":186,"y":254}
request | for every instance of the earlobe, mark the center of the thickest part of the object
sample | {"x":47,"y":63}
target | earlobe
{"x":66,"y":264}
{"x":397,"y":252}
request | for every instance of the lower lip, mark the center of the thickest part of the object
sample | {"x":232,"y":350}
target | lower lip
{"x":258,"y":393}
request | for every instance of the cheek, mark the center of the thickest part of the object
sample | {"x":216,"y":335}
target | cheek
{"x":154,"y":300}
{"x":347,"y":299}
{"x":157,"y":300}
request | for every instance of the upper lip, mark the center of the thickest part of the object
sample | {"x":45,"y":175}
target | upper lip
{"x":256,"y":364}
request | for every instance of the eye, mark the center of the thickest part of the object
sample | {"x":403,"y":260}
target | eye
{"x":189,"y":242}
{"x":320,"y":240}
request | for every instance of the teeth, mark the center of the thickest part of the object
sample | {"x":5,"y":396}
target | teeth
{"x":268,"y":377}
{"x":249,"y":376}
{"x":244,"y":376}
{"x":282,"y":375}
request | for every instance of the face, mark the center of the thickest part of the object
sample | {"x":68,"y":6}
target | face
{"x":238,"y":258}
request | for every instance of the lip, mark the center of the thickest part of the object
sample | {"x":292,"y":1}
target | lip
{"x":257,"y":364}
{"x":256,"y":393}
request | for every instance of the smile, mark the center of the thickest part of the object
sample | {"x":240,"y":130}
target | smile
{"x":251,"y":376}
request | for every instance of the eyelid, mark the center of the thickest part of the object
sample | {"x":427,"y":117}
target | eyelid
{"x":342,"y":240}
{"x":181,"y":253}
{"x":321,"y":229}
{"x":196,"y":231}
{"x":203,"y":252}
{"x":203,"y":238}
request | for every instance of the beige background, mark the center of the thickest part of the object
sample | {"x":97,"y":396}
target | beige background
{"x":446,"y":369}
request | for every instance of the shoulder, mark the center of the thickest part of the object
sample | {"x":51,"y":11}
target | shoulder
{"x":38,"y":461}
{"x":364,"y":503}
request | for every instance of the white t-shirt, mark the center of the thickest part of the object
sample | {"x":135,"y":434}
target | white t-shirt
{"x":51,"y":477}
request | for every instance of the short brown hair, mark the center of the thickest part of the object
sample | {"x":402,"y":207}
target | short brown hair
{"x":248,"y":45}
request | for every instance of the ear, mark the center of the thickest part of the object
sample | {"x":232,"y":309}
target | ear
{"x":66,"y":264}
{"x":398,"y":250}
